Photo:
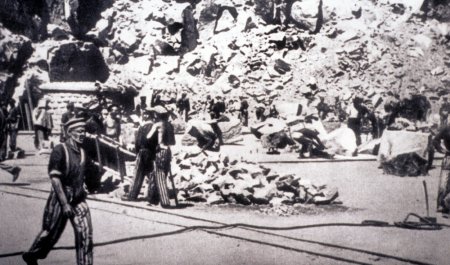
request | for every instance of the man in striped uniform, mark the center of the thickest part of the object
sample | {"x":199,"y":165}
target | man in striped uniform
{"x":145,"y":150}
{"x":163,"y":134}
{"x":67,"y":199}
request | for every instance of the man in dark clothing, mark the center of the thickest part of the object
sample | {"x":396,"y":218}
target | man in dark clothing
{"x":323,"y":109}
{"x":66,"y":200}
{"x":444,"y":189}
{"x":69,"y":114}
{"x":3,"y":131}
{"x":217,"y":109}
{"x":444,"y":111}
{"x":184,"y":106}
{"x":357,"y":112}
{"x":145,"y":150}
{"x":243,"y":112}
{"x":13,"y":170}
{"x":156,"y":99}
{"x":13,"y":124}
{"x":141,"y":106}
{"x":310,"y":142}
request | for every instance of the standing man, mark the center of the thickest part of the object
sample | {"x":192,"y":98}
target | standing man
{"x":13,"y":124}
{"x":217,"y":108}
{"x":43,"y":123}
{"x":444,"y":111}
{"x":356,"y":113}
{"x":145,"y":150}
{"x":243,"y":112}
{"x":112,"y":123}
{"x":69,"y":114}
{"x":67,"y":199}
{"x":162,"y":133}
{"x":444,"y":189}
{"x":3,"y":131}
{"x":13,"y":170}
{"x":184,"y":106}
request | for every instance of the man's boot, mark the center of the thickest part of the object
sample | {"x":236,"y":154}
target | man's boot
{"x":29,"y":258}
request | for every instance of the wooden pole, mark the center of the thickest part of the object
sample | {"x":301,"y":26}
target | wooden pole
{"x":99,"y":153}
{"x":119,"y":163}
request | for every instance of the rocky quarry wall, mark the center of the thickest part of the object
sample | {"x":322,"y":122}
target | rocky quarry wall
{"x":244,"y":48}
{"x":249,"y":49}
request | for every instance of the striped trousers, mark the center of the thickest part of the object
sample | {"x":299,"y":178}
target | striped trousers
{"x":53,"y":226}
{"x":144,"y":166}
{"x":157,"y":187}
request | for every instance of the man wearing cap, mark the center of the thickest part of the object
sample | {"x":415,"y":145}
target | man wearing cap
{"x":67,"y":197}
{"x":145,"y":150}
{"x":162,"y":134}
{"x":444,"y":111}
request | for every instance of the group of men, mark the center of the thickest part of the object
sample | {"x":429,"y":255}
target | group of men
{"x":155,"y":136}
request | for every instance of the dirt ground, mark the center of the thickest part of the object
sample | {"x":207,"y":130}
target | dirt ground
{"x":330,"y":234}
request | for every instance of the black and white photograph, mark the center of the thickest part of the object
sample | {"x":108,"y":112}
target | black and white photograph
{"x":226,"y":132}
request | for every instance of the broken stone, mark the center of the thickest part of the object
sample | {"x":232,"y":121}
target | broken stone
{"x":423,"y":41}
{"x":437,"y":71}
{"x":140,"y":64}
{"x":307,"y":14}
{"x":415,"y":52}
{"x":215,"y":198}
{"x":281,"y":66}
{"x":226,"y":19}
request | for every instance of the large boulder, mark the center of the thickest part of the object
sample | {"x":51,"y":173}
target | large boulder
{"x":189,"y":33}
{"x":14,"y":51}
{"x":307,"y":14}
{"x":77,"y":62}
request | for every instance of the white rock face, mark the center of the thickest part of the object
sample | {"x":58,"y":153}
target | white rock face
{"x":306,"y":12}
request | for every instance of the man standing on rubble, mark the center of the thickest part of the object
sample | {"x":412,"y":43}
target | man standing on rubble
{"x":145,"y":150}
{"x":163,"y":135}
{"x":444,"y":111}
{"x":67,"y":199}
{"x":184,"y":106}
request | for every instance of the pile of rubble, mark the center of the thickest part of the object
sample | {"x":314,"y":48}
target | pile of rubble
{"x":216,"y":179}
{"x":212,"y":178}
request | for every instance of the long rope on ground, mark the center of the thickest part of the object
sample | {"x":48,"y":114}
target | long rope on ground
{"x":369,"y":223}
